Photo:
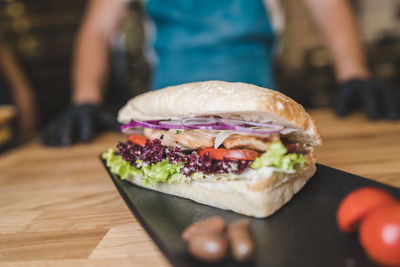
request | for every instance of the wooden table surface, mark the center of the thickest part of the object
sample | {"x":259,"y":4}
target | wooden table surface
{"x":59,"y":207}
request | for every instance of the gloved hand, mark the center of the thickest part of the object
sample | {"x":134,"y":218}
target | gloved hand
{"x":376,"y":99}
{"x":78,"y":123}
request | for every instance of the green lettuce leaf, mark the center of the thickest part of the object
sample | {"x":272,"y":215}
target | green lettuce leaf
{"x":163,"y":172}
{"x":276,"y":157}
{"x":119,"y":166}
{"x":160,"y":172}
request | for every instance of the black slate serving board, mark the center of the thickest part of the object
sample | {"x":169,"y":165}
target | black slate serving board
{"x":301,"y":233}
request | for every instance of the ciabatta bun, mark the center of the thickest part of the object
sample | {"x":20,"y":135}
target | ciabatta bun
{"x":225,"y":99}
{"x":258,"y":198}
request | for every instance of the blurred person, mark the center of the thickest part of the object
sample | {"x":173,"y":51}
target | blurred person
{"x":17,"y":91}
{"x":195,"y":40}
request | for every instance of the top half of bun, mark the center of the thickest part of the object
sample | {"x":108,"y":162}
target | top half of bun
{"x":225,"y":99}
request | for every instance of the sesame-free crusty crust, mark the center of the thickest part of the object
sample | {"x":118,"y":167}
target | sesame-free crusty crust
{"x":225,"y":99}
{"x":258,"y":198}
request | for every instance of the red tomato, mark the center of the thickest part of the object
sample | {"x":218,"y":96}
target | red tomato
{"x":137,"y":139}
{"x":235,"y":154}
{"x":355,"y":206}
{"x":380,"y":235}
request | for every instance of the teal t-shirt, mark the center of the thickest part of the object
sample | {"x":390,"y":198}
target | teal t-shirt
{"x":197,"y":40}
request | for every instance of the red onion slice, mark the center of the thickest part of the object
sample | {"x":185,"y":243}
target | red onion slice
{"x":200,"y":121}
{"x":208,"y":127}
{"x":173,"y":124}
{"x":234,"y":122}
{"x":153,"y":122}
{"x":145,"y":124}
{"x":271,"y":129}
{"x":205,"y":123}
{"x":261,"y":124}
{"x":243,"y":123}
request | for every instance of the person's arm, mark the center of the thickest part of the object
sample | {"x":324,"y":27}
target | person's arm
{"x":21,"y":92}
{"x":91,"y":52}
{"x":337,"y":25}
{"x":356,"y":90}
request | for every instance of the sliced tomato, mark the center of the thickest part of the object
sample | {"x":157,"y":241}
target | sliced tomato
{"x":358,"y":204}
{"x":235,"y":154}
{"x":137,"y":139}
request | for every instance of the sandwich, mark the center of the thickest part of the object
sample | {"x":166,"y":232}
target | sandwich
{"x":233,"y":146}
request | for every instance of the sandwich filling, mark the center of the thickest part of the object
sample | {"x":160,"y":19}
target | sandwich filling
{"x":183,"y":155}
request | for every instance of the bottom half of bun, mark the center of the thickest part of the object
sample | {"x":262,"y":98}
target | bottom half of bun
{"x":258,"y":198}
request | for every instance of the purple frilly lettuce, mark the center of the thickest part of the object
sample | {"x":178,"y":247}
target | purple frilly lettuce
{"x":154,"y":152}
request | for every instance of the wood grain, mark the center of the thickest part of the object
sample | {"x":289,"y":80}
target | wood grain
{"x":359,"y":146}
{"x":58,"y":207}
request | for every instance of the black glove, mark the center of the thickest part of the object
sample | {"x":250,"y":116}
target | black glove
{"x":376,"y":99}
{"x":78,"y":123}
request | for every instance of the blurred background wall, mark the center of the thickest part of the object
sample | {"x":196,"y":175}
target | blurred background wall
{"x":42,"y":33}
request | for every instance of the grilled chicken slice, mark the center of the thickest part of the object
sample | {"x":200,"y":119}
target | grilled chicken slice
{"x":152,"y":134}
{"x":249,"y":141}
{"x":167,"y":137}
{"x":194,"y":139}
{"x":190,"y":139}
